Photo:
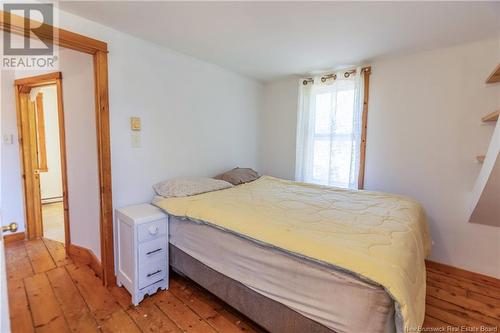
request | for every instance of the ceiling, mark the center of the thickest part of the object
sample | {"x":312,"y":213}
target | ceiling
{"x":270,"y":40}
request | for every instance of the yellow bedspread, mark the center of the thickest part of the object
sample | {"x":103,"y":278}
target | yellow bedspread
{"x":379,"y":236}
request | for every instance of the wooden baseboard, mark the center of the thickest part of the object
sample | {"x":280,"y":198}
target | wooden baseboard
{"x":455,"y":271}
{"x":17,"y":236}
{"x":85,"y":256}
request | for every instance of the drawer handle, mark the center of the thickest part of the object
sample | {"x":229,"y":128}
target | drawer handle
{"x":151,"y":252}
{"x":153,"y":230}
{"x":154,"y":273}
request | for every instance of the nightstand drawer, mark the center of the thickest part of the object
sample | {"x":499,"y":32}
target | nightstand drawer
{"x":151,"y":230}
{"x":152,"y":250}
{"x":152,"y":272}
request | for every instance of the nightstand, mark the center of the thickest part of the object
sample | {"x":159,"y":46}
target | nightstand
{"x":142,"y":238}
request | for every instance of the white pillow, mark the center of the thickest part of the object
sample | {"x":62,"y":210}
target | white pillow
{"x":183,"y":187}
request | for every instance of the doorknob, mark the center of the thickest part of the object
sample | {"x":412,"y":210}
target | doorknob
{"x":36,"y":171}
{"x":11,"y":227}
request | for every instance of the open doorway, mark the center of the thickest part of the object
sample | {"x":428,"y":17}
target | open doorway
{"x":16,"y":25}
{"x":49,"y":159}
{"x":41,"y":128}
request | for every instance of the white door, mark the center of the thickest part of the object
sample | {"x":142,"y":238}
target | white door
{"x":4,"y":303}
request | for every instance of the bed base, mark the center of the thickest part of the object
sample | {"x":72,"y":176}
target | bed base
{"x":267,"y":313}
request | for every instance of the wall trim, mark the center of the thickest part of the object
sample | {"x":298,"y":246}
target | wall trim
{"x":365,"y":72}
{"x":58,"y":36}
{"x":85,"y":256}
{"x":17,"y":236}
{"x":455,"y":271}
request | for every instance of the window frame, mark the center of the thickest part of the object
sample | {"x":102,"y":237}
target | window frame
{"x":366,"y":72}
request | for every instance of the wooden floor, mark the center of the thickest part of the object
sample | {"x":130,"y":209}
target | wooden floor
{"x":48,"y":292}
{"x":53,"y":221}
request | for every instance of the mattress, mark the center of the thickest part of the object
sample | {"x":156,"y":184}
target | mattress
{"x":379,"y":237}
{"x":333,"y":298}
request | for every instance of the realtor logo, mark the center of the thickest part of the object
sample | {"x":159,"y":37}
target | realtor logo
{"x":44,"y":33}
{"x":29,"y":44}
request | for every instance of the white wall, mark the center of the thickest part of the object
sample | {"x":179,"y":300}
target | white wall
{"x":50,"y":181}
{"x":197,"y":118}
{"x":431,"y":132}
{"x":278,"y":125}
{"x":11,"y":188}
{"x":424,"y":132}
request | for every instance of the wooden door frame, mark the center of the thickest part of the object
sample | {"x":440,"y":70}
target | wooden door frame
{"x":24,"y":85}
{"x":99,"y":50}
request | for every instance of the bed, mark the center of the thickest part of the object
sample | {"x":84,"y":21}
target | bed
{"x":298,"y":257}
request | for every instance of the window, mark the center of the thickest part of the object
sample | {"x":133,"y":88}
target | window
{"x":331,"y":130}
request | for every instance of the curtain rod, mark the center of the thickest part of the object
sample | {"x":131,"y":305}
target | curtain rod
{"x":334,"y":76}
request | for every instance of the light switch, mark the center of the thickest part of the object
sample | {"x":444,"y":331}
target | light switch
{"x":136,"y":140}
{"x":8,"y":139}
{"x":135,"y":123}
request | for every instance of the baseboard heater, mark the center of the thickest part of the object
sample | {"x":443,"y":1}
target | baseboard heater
{"x":51,"y":200}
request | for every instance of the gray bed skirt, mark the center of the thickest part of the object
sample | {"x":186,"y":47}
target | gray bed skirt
{"x":267,"y":313}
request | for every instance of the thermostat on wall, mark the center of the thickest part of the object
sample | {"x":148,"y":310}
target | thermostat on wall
{"x":135,"y":123}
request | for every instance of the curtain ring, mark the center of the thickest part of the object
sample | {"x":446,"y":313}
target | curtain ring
{"x":328,"y":76}
{"x":306,"y":81}
{"x":347,"y":74}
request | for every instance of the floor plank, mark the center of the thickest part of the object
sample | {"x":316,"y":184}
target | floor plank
{"x":204,"y":308}
{"x":470,"y":315}
{"x":17,"y":261}
{"x":45,"y":310}
{"x":58,"y":324}
{"x":57,"y":252}
{"x":181,"y":314}
{"x":20,"y":314}
{"x":39,"y":256}
{"x":208,"y":308}
{"x":222,"y":323}
{"x":119,"y":322}
{"x":486,"y":290}
{"x":149,"y":318}
{"x":448,"y":287}
{"x":450,"y":317}
{"x":244,"y":325}
{"x":431,"y":322}
{"x":74,"y":308}
{"x":100,"y":301}
{"x":453,"y":298}
{"x":122,"y":296}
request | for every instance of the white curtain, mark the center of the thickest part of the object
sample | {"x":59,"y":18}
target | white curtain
{"x":329,"y":130}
